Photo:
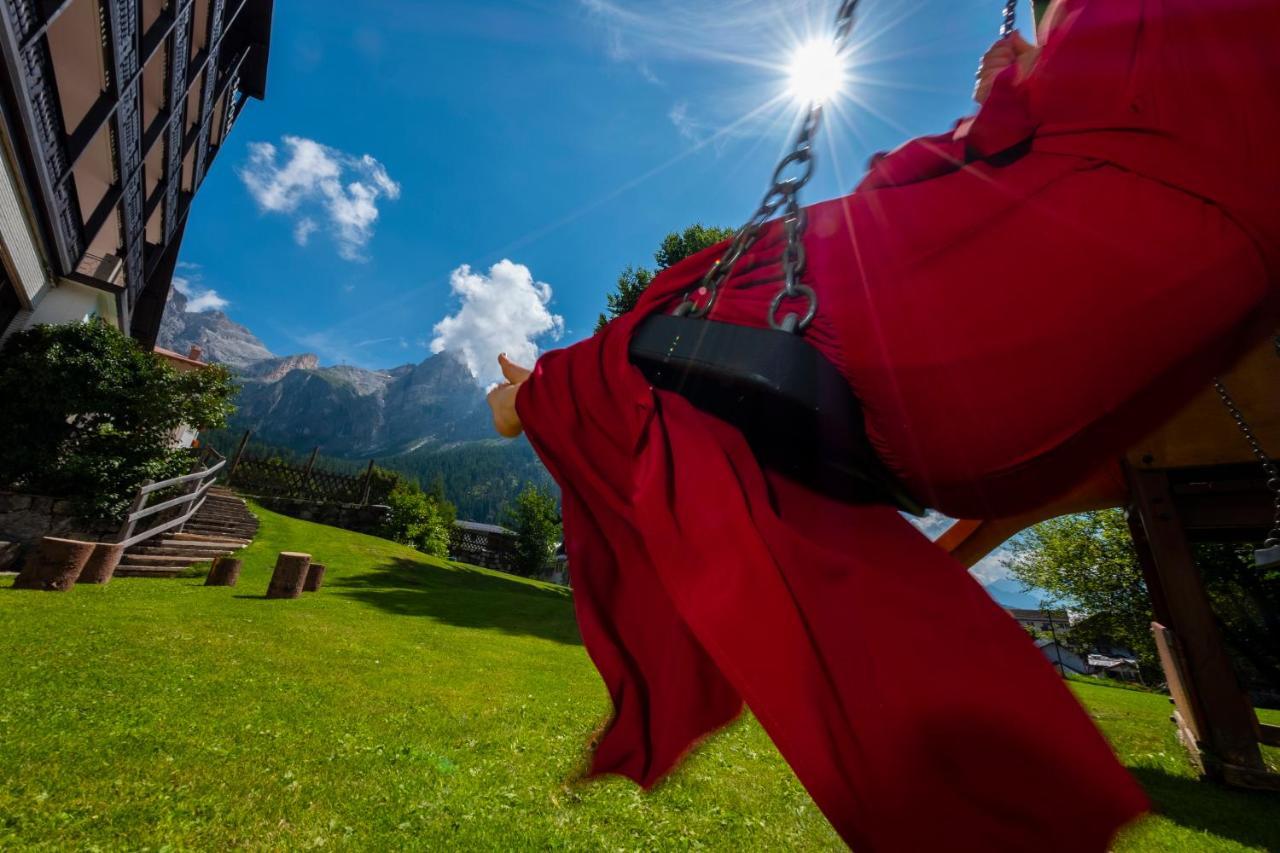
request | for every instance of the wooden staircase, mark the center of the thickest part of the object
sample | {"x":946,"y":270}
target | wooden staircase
{"x":222,"y":526}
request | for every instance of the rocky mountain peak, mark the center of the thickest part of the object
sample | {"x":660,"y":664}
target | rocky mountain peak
{"x":220,"y":338}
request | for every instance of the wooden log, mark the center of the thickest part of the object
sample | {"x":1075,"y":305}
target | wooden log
{"x":54,"y":564}
{"x":290,"y":575}
{"x":225,"y":572}
{"x":315,"y":577}
{"x":102,"y":563}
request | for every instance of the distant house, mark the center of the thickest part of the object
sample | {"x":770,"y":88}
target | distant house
{"x":1123,"y":669}
{"x":1057,"y":622}
{"x":488,"y":545}
{"x":183,"y":436}
{"x":1063,"y":659}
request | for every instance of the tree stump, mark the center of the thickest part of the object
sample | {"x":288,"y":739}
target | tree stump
{"x":290,"y":575}
{"x":54,"y":564}
{"x":102,"y":563}
{"x":225,"y":572}
{"x":315,"y":577}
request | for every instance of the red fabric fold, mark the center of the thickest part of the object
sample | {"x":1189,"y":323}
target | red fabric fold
{"x":1008,"y":323}
{"x":699,"y":579}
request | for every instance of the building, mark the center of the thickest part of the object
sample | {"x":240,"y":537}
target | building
{"x":111,"y":113}
{"x":185,"y":435}
{"x":1123,"y":669}
{"x":1056,"y":622}
{"x":488,"y":545}
{"x":1065,"y":661}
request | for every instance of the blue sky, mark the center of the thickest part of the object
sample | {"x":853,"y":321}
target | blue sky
{"x":403,"y":140}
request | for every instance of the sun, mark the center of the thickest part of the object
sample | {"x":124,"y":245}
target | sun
{"x":816,"y":73}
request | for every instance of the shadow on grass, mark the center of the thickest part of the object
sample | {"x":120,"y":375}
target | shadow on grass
{"x":1248,"y":817}
{"x":464,"y":597}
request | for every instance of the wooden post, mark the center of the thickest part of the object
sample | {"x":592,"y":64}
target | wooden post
{"x":235,"y":459}
{"x":315,"y":577}
{"x":54,"y":565}
{"x":306,"y":473}
{"x":1227,"y":724}
{"x":290,"y":575}
{"x":368,"y":482}
{"x":102,"y":563}
{"x":225,"y":572}
{"x":139,"y":500}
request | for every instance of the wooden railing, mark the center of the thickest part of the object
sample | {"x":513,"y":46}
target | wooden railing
{"x":186,"y":505}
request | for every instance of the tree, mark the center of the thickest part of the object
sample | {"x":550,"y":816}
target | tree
{"x":1088,"y":561}
{"x":418,"y":519}
{"x":535,"y":518}
{"x":675,"y":247}
{"x":678,"y":246}
{"x":89,"y":415}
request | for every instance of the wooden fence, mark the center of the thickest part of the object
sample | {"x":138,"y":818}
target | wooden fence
{"x":270,"y":476}
{"x":175,"y":511}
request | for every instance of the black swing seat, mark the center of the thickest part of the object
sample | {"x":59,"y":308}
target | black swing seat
{"x":794,"y":407}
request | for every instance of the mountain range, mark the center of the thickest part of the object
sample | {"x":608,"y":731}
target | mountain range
{"x":427,"y":420}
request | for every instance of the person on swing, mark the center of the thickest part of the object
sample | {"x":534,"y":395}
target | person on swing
{"x":1013,"y":302}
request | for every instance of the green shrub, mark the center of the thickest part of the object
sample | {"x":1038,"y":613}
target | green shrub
{"x":536,"y":520}
{"x":420,"y":520}
{"x":89,"y":415}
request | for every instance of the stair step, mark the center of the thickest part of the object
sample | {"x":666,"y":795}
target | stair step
{"x":167,"y":559}
{"x":129,"y":570}
{"x":201,"y":537}
{"x":223,"y":531}
{"x":197,"y":553}
{"x":201,"y":543}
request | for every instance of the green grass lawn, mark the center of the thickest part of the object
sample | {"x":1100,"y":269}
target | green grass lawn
{"x":409,"y":704}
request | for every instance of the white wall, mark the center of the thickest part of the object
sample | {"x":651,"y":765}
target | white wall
{"x":70,"y":302}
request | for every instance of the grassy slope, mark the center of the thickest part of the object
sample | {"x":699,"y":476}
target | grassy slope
{"x":408,"y":703}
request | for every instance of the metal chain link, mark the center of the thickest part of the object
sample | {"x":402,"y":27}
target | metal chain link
{"x":1010,"y":18}
{"x":782,"y":195}
{"x":1269,"y":466}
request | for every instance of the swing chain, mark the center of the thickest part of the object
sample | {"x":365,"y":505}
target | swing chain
{"x":1269,"y":467}
{"x":783,"y":195}
{"x":1010,"y":18}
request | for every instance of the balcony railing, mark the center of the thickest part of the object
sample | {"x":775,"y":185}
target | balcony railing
{"x":106,"y":269}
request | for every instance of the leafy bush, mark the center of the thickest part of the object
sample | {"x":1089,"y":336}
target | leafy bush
{"x":420,"y":520}
{"x":90,"y":415}
{"x":536,"y":520}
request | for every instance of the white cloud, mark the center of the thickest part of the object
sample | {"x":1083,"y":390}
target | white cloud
{"x":199,"y":298}
{"x":615,"y":19}
{"x":503,"y":311}
{"x":688,"y":128}
{"x":989,"y":569}
{"x":931,"y":524}
{"x":303,"y":229}
{"x":319,"y":182}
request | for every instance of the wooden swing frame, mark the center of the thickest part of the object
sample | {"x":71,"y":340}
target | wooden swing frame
{"x":1193,"y":479}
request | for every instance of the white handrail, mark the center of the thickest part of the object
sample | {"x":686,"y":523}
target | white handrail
{"x":194,"y":499}
{"x":185,"y":478}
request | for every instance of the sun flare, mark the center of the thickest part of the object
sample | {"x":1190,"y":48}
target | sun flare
{"x":816,"y":73}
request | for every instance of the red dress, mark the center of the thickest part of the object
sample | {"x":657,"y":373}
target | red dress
{"x":1014,"y":303}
